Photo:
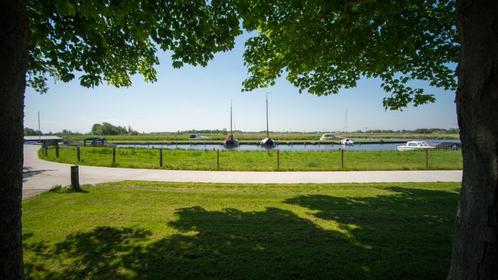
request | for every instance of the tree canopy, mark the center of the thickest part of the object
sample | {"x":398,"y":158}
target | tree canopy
{"x":109,"y":129}
{"x":31,"y":132}
{"x":109,"y":40}
{"x":321,"y":46}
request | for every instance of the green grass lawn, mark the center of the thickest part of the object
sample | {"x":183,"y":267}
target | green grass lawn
{"x":148,"y":230}
{"x":260,"y":161}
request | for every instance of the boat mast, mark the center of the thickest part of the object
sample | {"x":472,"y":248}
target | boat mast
{"x":39,"y":127}
{"x":267,"y":132}
{"x":231,"y":132}
{"x":346,"y":121}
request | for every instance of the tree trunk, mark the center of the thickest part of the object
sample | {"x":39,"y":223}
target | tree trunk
{"x":13,"y":61}
{"x":475,"y":248}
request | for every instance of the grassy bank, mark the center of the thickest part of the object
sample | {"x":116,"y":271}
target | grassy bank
{"x":139,"y":230}
{"x":257,"y":136}
{"x":262,"y":161}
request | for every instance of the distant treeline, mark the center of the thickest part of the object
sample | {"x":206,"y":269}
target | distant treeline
{"x":106,"y":128}
{"x":200,"y":131}
{"x":418,"y":131}
{"x":97,"y":129}
{"x":31,"y":132}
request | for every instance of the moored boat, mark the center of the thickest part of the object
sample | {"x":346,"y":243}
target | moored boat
{"x":197,"y":137}
{"x":414,"y":146}
{"x":327,"y":137}
{"x":230,"y":141}
{"x":267,"y":142}
{"x":347,"y":141}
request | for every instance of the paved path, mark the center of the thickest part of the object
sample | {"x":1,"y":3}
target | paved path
{"x":41,"y":175}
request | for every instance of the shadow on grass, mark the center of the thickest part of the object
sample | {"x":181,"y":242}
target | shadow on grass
{"x":405,"y":235}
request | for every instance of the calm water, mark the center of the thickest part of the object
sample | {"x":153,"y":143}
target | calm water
{"x":283,"y":147}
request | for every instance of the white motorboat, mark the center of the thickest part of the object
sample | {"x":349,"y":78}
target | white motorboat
{"x":347,"y":141}
{"x":414,"y":146}
{"x":327,"y":137}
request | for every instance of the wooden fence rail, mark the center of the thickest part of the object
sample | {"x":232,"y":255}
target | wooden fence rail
{"x":278,"y":158}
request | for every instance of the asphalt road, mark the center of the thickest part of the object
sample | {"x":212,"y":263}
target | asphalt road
{"x":40,"y":175}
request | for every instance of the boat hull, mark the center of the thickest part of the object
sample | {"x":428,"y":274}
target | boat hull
{"x":347,"y":142}
{"x":267,"y":143}
{"x":404,"y":148}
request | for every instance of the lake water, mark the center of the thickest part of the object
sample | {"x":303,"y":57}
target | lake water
{"x":283,"y":147}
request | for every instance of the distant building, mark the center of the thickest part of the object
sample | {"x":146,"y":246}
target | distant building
{"x":43,"y":139}
{"x":94,"y":141}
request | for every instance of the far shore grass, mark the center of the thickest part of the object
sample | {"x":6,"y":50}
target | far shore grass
{"x":152,"y":230}
{"x":259,"y":160}
{"x":257,"y":136}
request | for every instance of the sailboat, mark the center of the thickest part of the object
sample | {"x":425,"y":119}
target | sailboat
{"x":346,"y":140}
{"x":230,"y":141}
{"x":267,"y":142}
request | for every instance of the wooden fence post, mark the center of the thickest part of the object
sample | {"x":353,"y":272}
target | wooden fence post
{"x":113,"y":154}
{"x":278,"y":159}
{"x":78,"y":155}
{"x":217,"y":159}
{"x":342,"y":159}
{"x":161,"y":157}
{"x":57,"y":149}
{"x":427,"y":158}
{"x":75,"y":177}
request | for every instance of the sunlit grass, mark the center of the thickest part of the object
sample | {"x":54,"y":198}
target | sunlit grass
{"x":259,"y":161}
{"x":151,"y":230}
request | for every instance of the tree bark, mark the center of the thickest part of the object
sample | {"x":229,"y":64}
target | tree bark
{"x":475,"y":247}
{"x":13,"y":63}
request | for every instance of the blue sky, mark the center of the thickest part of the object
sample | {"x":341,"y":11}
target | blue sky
{"x":199,"y":98}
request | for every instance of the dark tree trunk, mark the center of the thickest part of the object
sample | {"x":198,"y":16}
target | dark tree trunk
{"x":13,"y":61}
{"x":475,"y":247}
